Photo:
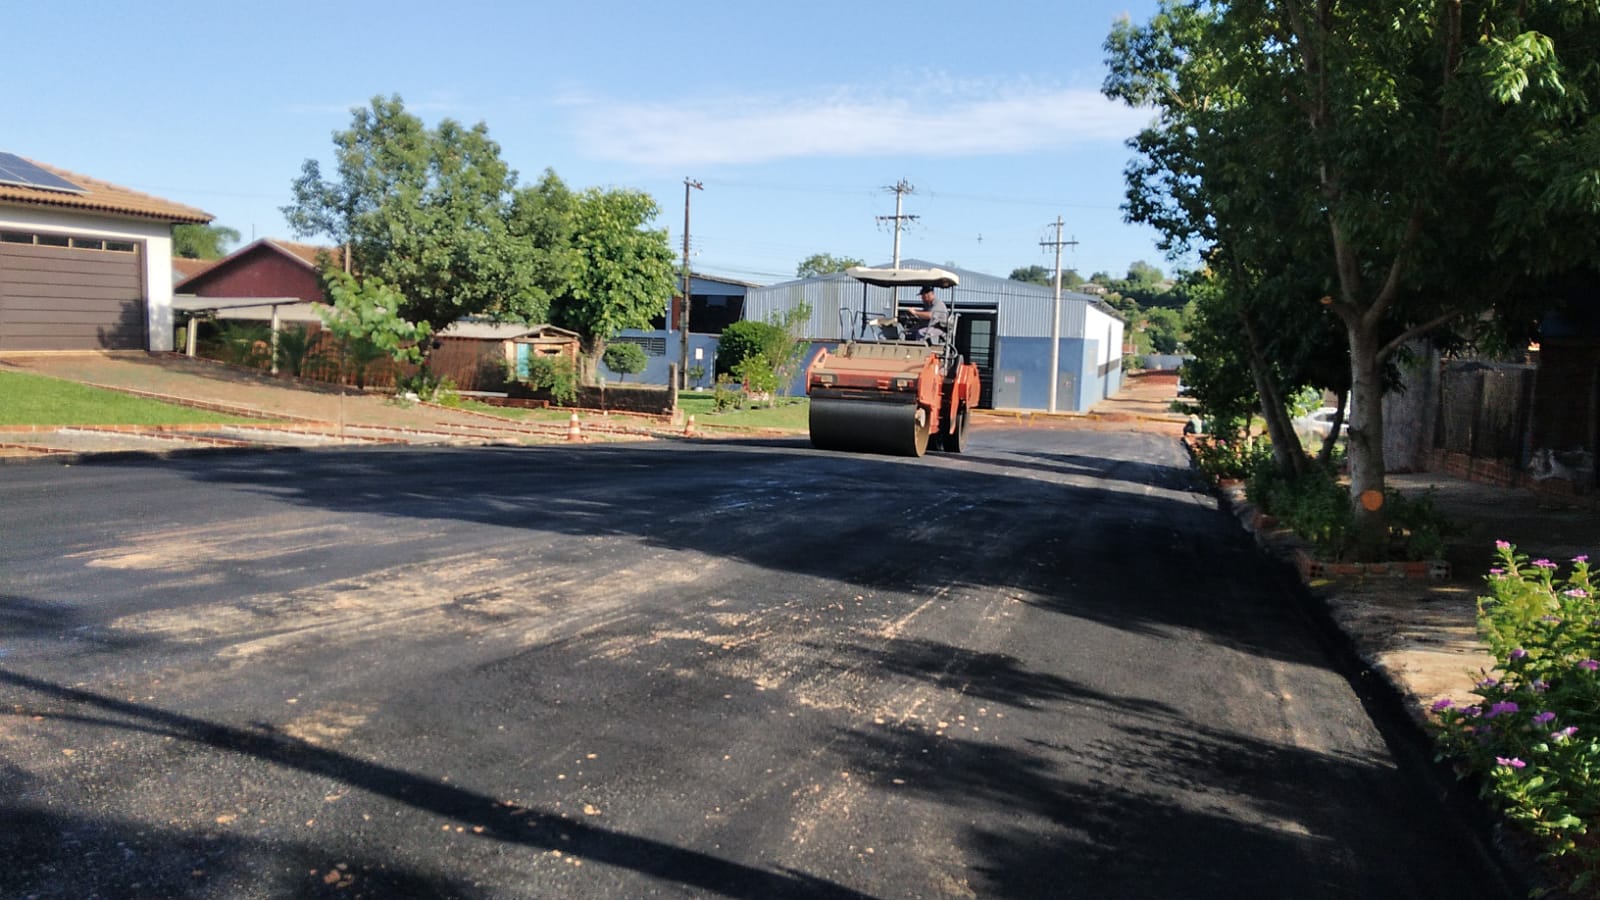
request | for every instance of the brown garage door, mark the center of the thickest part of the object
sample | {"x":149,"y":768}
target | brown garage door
{"x":59,"y":293}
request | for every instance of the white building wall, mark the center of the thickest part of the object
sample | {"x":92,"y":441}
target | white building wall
{"x":155,"y":236}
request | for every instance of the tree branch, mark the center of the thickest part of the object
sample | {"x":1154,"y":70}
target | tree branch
{"x":1415,"y":331}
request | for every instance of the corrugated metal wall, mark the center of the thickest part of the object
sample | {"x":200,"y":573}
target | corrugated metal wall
{"x":1024,"y":309}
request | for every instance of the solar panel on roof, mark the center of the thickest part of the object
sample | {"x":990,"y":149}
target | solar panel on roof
{"x":18,"y":171}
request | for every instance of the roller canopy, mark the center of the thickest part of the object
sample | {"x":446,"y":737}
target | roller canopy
{"x":903,"y":277}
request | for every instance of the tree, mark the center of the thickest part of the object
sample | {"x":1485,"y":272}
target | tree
{"x":619,"y":273}
{"x":435,"y":214}
{"x":1143,"y":274}
{"x":824,"y":264}
{"x":626,"y":359}
{"x":764,"y":354}
{"x":1033,"y":275}
{"x":365,"y":317}
{"x":202,"y":241}
{"x":1400,"y":163}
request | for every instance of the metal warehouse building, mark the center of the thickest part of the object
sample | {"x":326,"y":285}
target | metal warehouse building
{"x":1003,"y":328}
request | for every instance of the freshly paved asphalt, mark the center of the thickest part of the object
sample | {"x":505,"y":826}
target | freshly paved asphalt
{"x":1049,"y":667}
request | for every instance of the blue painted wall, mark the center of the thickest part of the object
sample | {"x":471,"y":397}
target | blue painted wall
{"x":1030,"y":359}
{"x":656,"y":367}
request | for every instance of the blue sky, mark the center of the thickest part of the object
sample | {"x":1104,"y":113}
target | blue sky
{"x":794,"y":117}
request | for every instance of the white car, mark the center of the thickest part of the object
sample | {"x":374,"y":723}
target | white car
{"x":1319,"y":422}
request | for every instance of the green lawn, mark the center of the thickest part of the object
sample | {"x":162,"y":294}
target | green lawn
{"x":36,"y":400}
{"x":790,"y":414}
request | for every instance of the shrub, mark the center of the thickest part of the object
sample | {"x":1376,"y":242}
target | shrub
{"x":1222,"y":458}
{"x":1533,"y":736}
{"x":556,"y":375}
{"x":625,"y":359}
{"x":726,"y":394}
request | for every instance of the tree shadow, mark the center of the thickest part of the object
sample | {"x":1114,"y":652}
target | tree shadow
{"x":490,"y":819}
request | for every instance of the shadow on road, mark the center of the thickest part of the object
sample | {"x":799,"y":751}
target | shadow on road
{"x":497,"y":820}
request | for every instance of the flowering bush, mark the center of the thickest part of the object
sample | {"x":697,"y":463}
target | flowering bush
{"x":1534,"y":733}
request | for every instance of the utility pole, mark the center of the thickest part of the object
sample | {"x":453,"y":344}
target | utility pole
{"x":901,"y":188}
{"x":683,"y":311}
{"x":1055,"y":313}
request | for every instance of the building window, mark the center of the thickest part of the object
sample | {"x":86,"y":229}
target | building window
{"x":61,"y":240}
{"x":653,"y":346}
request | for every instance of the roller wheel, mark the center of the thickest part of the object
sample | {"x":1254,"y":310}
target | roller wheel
{"x":953,"y":440}
{"x":870,"y":427}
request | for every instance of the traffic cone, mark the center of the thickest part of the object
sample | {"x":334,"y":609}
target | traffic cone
{"x":688,"y":428}
{"x":574,"y":432}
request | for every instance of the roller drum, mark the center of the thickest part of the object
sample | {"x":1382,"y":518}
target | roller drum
{"x":868,"y":426}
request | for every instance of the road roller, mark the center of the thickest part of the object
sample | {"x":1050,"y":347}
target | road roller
{"x":886,"y":389}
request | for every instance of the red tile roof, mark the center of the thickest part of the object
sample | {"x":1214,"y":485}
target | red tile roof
{"x":102,"y":197}
{"x":188,"y":268}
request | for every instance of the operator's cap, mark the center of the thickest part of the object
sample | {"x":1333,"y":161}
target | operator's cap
{"x":926,"y":289}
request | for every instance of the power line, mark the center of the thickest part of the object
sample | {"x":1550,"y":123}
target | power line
{"x":901,"y":188}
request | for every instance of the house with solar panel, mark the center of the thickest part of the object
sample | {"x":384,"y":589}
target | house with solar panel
{"x":1004,"y":327}
{"x":84,"y":264}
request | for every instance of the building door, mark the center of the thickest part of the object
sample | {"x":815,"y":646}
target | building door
{"x":975,"y":341}
{"x":70,"y":293}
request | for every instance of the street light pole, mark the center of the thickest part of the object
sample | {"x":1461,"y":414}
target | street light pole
{"x":683,"y":311}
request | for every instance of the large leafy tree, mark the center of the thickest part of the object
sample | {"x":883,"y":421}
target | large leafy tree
{"x":824,"y":264}
{"x":437,"y":216}
{"x":619,"y":272}
{"x":202,"y":241}
{"x":1396,"y":165}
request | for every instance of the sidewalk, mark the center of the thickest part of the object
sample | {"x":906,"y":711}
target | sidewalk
{"x":1420,"y":635}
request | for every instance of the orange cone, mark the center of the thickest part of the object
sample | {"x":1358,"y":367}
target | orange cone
{"x":574,"y":433}
{"x":688,"y":428}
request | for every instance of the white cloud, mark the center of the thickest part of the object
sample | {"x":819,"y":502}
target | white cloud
{"x":939,"y":118}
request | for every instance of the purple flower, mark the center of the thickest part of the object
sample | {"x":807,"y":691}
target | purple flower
{"x":1564,"y":733}
{"x":1550,"y":620}
{"x":1487,"y":683}
{"x":1578,"y":593}
{"x":1502,"y":545}
{"x":1442,"y":705}
{"x":1581,"y":559}
{"x":1471,"y":712}
{"x":1590,"y":664}
{"x":1518,"y":653}
{"x":1540,"y":686}
{"x":1544,"y":564}
{"x":1544,"y":718}
{"x":1510,"y":762}
{"x":1496,"y":570}
{"x":1504,"y":707}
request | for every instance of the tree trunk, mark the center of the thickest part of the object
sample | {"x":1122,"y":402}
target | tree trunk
{"x":1365,"y":444}
{"x":1286,"y":450}
{"x":593,"y":348}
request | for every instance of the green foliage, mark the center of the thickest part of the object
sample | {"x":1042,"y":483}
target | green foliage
{"x":365,"y":318}
{"x":295,"y":347}
{"x":435,"y":214}
{"x":243,"y":343}
{"x":1533,"y":734}
{"x":620,"y":273}
{"x":728,"y":395}
{"x":1318,"y":508}
{"x":556,"y":375}
{"x":1225,"y":458}
{"x":697,"y":374}
{"x":1386,"y":170}
{"x":757,"y":375}
{"x":744,"y":340}
{"x":626,"y":359}
{"x":824,"y":264}
{"x":1047,"y":277}
{"x":202,"y":241}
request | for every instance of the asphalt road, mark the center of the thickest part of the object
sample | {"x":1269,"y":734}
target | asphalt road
{"x":1049,"y":667}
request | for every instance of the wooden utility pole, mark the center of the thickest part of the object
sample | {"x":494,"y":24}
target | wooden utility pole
{"x":1055,"y":313}
{"x":901,"y":189}
{"x":683,"y":311}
